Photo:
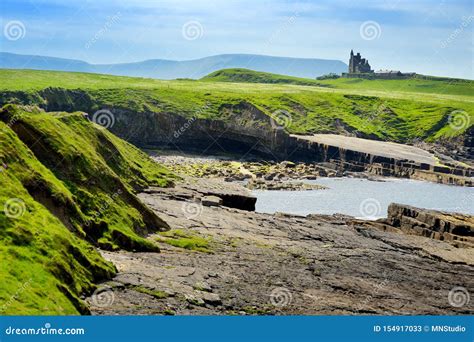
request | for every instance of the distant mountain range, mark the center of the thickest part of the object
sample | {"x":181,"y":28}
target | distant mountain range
{"x":169,"y":69}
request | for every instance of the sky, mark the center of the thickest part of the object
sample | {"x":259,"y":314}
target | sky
{"x":433,"y":37}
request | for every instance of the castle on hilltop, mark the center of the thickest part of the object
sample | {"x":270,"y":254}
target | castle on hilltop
{"x":360,"y":68}
{"x":357,"y":64}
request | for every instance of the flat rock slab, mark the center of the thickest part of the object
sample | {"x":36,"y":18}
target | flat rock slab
{"x":211,"y":201}
{"x":285,"y":264}
{"x":233,"y":195}
{"x":215,"y":187}
{"x":373,"y":147}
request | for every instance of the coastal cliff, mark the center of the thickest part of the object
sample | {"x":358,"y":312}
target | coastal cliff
{"x":242,"y":128}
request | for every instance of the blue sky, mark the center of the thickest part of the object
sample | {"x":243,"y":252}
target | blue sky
{"x":426,"y":36}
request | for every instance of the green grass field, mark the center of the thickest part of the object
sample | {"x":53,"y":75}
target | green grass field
{"x":399,"y":110}
{"x":418,"y":84}
{"x":431,"y":85}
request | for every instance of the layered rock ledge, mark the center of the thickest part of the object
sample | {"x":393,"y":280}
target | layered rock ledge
{"x":454,"y":228}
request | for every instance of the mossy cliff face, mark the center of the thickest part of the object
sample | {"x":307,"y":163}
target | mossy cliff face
{"x":236,"y":125}
{"x":67,"y":187}
{"x":240,"y":128}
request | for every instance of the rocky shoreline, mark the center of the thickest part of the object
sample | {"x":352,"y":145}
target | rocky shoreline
{"x":220,"y":257}
{"x":256,"y":175}
{"x":288,"y":175}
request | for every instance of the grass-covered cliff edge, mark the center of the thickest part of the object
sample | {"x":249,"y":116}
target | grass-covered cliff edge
{"x":394,"y":110}
{"x":67,"y":186}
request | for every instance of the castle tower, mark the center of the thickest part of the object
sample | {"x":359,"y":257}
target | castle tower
{"x":351,"y":62}
{"x":357,"y":64}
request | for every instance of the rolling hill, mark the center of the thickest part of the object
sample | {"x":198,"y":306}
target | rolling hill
{"x":170,"y":69}
{"x":417,"y":84}
{"x":390,"y":113}
{"x":251,"y":76}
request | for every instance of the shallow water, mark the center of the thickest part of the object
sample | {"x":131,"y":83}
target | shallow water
{"x":366,"y":199}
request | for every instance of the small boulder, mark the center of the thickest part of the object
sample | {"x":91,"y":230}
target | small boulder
{"x":193,"y":300}
{"x":270,"y":176}
{"x":287,"y":163}
{"x":202,"y":286}
{"x":211,"y":298}
{"x":211,"y":201}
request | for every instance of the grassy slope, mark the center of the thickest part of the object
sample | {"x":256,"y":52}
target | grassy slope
{"x":251,"y":76}
{"x":72,"y":184}
{"x":393,"y":114}
{"x":420,"y":84}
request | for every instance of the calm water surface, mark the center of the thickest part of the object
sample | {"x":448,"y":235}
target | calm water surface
{"x":366,"y":199}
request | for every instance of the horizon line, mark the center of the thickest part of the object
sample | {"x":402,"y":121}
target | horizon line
{"x":174,"y":60}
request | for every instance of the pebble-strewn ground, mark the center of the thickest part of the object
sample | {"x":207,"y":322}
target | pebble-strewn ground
{"x":262,"y":175}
